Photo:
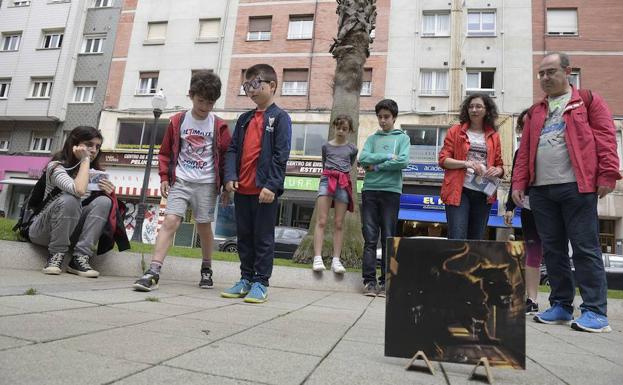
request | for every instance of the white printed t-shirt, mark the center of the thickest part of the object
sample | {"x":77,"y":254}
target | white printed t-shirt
{"x":195,"y":162}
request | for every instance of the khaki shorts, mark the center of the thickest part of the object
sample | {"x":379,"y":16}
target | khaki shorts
{"x":200,"y":196}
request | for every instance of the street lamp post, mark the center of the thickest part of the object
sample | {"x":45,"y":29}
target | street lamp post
{"x":158,"y":102}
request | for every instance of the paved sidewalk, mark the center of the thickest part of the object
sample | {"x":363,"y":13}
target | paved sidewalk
{"x":98,"y":331}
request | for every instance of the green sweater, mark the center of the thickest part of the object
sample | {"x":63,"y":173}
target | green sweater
{"x":378,"y":151}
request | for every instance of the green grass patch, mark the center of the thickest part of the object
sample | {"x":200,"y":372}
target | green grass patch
{"x":152,"y":299}
{"x":6,"y":229}
{"x":612,"y":294}
{"x":31,"y":291}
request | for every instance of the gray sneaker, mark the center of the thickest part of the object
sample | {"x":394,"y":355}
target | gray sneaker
{"x":380,"y":290}
{"x":370,"y":289}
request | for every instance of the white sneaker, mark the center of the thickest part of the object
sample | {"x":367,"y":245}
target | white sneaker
{"x":318,"y":265}
{"x":337,"y":266}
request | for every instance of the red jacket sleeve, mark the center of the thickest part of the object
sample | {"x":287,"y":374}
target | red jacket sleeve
{"x":521,"y":173}
{"x":165,"y":153}
{"x":600,"y":120}
{"x":498,"y":153}
{"x":223,"y":145}
{"x":447,"y":151}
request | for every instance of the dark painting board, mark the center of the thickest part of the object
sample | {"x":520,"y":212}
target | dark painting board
{"x":456,"y":301}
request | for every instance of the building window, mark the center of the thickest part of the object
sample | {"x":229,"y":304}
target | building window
{"x":4,"y":144}
{"x":148,"y":83}
{"x":426,"y":142}
{"x":22,"y":3}
{"x":5,"y":85}
{"x":434,"y":83}
{"x":562,"y":21}
{"x":307,"y":139}
{"x":11,"y":40}
{"x":294,"y":82}
{"x":40,"y":143}
{"x":84,"y":93}
{"x":102,"y":3}
{"x":156,"y":32}
{"x":436,"y":24}
{"x":480,"y":81}
{"x":41,"y":88}
{"x":209,"y":30}
{"x":366,"y":83}
{"x":480,"y":23}
{"x":93,"y":44}
{"x":301,"y":27}
{"x":574,"y":78}
{"x":52,"y":39}
{"x":259,"y":28}
{"x":136,"y":134}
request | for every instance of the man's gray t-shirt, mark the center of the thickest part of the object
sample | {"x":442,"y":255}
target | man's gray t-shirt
{"x":339,"y":158}
{"x":553,"y":165}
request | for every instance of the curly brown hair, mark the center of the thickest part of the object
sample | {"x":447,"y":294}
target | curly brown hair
{"x":492,"y":110}
{"x":205,"y":84}
{"x":343,"y":118}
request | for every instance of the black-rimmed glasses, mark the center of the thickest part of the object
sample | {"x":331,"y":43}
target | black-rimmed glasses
{"x":253,"y":84}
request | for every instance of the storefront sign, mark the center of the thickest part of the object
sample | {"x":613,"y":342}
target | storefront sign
{"x":308,"y":183}
{"x":424,"y":171}
{"x":310,"y":167}
{"x":127,"y":159}
{"x":429,"y":202}
{"x":31,"y":166}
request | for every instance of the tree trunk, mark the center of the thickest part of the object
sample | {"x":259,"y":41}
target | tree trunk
{"x":356,"y":19}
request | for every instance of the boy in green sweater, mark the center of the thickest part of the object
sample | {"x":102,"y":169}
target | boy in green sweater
{"x":384,"y":155}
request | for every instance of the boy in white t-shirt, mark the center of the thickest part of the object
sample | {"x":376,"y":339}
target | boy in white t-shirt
{"x":191,"y":167}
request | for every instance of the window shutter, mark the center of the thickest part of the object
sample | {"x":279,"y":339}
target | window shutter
{"x":260,"y":24}
{"x":157,"y":31}
{"x":209,"y":29}
{"x":562,"y":21}
{"x":296,"y":75}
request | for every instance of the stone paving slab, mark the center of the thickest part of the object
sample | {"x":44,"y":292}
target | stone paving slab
{"x":166,"y":375}
{"x":45,"y":327}
{"x":10,"y":342}
{"x":248,"y":363}
{"x":132,"y":344}
{"x":107,"y":315}
{"x":192,"y":328}
{"x":45,"y":364}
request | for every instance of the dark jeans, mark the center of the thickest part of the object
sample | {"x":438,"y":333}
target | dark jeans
{"x":469,"y":219}
{"x":255,"y":225}
{"x":563,"y":214}
{"x":379,"y":212}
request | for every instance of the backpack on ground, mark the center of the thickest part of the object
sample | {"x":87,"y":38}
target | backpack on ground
{"x":33,"y":204}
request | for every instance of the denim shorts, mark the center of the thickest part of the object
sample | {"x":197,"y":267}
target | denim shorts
{"x":339,"y":194}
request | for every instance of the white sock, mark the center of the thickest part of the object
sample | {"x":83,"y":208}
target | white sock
{"x":318,"y":257}
{"x":336,"y":259}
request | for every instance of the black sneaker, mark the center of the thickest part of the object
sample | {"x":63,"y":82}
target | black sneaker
{"x":54,"y":263}
{"x":380,"y":290}
{"x":79,"y":265}
{"x":531,"y":307}
{"x":370,"y":289}
{"x":148,"y":282}
{"x":206,"y":279}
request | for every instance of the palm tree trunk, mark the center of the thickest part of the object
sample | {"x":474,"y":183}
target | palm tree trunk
{"x":356,"y":19}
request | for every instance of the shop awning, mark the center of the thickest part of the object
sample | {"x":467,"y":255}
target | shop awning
{"x":439,"y":216}
{"x":19,"y":181}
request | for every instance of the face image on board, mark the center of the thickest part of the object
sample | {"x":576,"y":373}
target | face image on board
{"x":457,"y":301}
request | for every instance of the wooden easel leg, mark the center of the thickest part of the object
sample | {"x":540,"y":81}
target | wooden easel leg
{"x":420,"y":355}
{"x":484,"y":361}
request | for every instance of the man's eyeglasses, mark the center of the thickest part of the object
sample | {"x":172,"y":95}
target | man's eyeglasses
{"x":253,"y":84}
{"x":549,"y":72}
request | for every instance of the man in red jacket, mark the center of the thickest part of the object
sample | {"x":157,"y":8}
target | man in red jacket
{"x":568,"y":157}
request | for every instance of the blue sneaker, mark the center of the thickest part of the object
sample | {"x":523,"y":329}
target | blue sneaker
{"x":591,"y":322}
{"x":258,"y":293}
{"x":239,"y":290}
{"x":555,"y":315}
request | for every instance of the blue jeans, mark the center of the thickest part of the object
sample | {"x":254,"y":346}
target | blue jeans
{"x":469,"y":219}
{"x":379,"y":213}
{"x":563,"y":214}
{"x":255,"y":226}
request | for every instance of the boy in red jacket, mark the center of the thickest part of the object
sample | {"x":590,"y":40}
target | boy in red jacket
{"x":191,"y":167}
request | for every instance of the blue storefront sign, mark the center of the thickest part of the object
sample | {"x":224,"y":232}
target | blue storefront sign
{"x":430,"y":208}
{"x":423,"y":171}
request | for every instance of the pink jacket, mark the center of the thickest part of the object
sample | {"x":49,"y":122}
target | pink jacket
{"x":592,"y":148}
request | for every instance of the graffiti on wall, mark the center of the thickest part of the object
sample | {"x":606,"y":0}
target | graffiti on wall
{"x":150,"y":224}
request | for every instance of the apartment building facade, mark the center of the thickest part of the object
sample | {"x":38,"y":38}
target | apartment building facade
{"x":54,"y":60}
{"x":159,"y":44}
{"x":439,"y":52}
{"x":590,"y":33}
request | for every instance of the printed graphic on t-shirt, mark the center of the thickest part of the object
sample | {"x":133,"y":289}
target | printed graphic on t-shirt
{"x":477,"y":151}
{"x":195,"y":162}
{"x":553,"y":133}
